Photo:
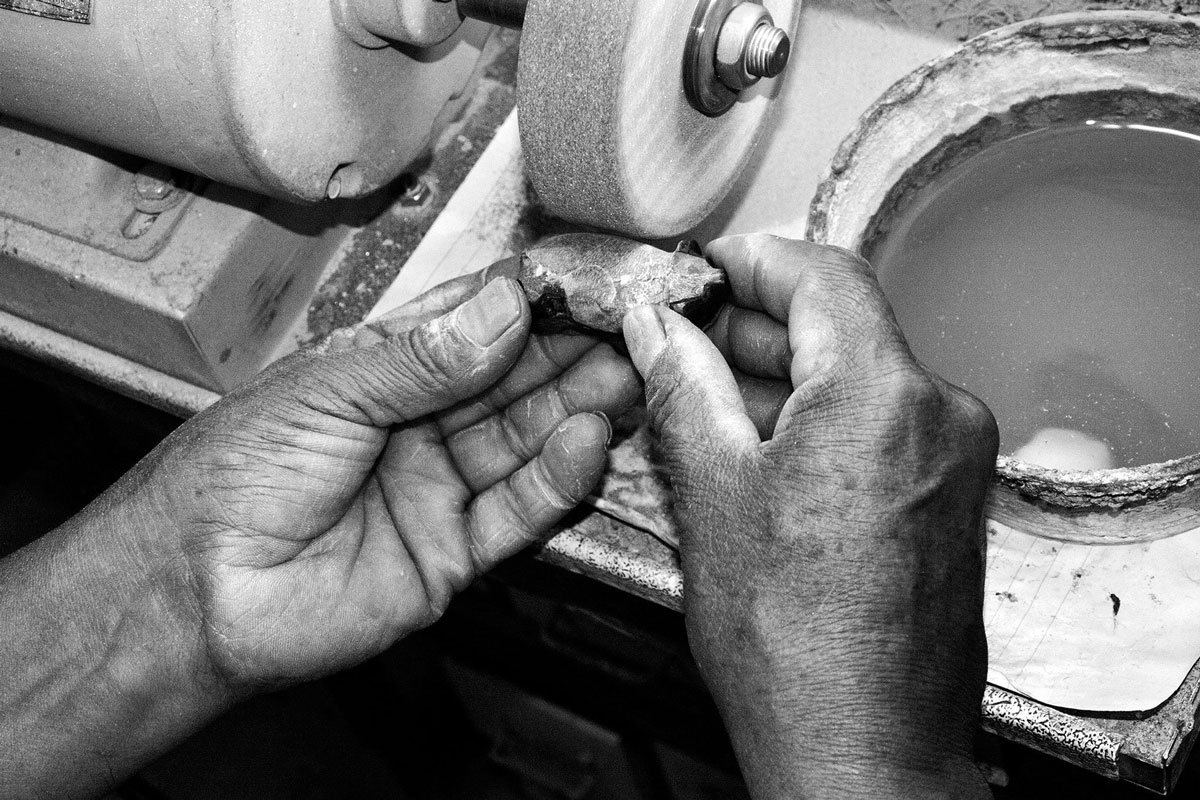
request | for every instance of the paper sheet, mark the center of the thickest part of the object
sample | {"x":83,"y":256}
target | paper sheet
{"x":474,"y":230}
{"x":1092,"y":627}
{"x":1095,"y":628}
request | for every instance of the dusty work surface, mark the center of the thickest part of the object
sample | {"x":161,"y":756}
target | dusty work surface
{"x":375,"y":253}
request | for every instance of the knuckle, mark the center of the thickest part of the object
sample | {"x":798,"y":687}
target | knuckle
{"x":843,"y":260}
{"x":518,"y":431}
{"x":487,"y":547}
{"x":563,"y":492}
{"x":418,"y":364}
{"x":558,"y":403}
{"x":975,"y":419}
{"x":431,"y":355}
{"x":558,"y":352}
{"x":367,"y":385}
{"x":856,"y":291}
{"x":938,"y":421}
{"x":917,"y":398}
{"x":907,"y":385}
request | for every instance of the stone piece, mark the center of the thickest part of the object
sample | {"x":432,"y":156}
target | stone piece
{"x":585,"y":283}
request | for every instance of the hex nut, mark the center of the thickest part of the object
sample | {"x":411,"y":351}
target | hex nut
{"x":155,"y":188}
{"x":732,"y":45}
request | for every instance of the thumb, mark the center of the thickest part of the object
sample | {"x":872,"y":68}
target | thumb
{"x":427,"y":368}
{"x":691,"y":393}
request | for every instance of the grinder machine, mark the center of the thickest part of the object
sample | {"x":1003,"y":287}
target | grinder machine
{"x":176,"y":177}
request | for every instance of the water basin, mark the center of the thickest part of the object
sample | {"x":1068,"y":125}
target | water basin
{"x":1056,"y":276}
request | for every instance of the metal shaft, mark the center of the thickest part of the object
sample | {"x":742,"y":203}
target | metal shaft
{"x":507,"y":13}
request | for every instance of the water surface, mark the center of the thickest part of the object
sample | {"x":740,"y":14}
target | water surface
{"x":1057,"y":277}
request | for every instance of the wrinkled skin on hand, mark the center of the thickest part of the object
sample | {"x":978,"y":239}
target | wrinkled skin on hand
{"x":830,"y":490}
{"x":338,"y":501}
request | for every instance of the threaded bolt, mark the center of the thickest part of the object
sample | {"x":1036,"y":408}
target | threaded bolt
{"x":153,"y":182}
{"x":155,"y":189}
{"x":767,"y":51}
{"x":749,"y":47}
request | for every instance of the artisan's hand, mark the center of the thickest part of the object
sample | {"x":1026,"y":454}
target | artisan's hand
{"x":834,"y":571}
{"x":335,"y":504}
{"x":300,"y":525}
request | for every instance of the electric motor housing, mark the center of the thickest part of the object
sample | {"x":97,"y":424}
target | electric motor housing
{"x":272,"y":96}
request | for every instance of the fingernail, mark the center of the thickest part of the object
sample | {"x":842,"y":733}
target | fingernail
{"x":488,"y":315}
{"x":644,"y":333}
{"x":608,"y":437}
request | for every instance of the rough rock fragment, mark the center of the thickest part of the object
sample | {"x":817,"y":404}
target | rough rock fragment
{"x":586,"y":282}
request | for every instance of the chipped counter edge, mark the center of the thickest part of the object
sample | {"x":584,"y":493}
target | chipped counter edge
{"x":579,"y":550}
{"x":120,"y":374}
{"x":1073,"y":739}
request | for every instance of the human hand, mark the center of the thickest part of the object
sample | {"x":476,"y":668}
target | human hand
{"x":301,"y":524}
{"x":339,"y":500}
{"x":833,"y":572}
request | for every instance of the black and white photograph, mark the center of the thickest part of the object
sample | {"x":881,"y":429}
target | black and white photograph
{"x":599,"y":399}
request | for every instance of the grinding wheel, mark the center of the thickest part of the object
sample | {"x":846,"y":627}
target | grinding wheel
{"x":609,"y":137}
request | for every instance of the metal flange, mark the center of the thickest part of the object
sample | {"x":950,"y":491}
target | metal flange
{"x":730,"y":45}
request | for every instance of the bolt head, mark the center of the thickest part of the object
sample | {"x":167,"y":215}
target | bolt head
{"x":414,"y":191}
{"x":156,"y":188}
{"x":333,"y":189}
{"x":154,"y":182}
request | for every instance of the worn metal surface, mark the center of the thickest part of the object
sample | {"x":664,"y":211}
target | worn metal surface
{"x":84,"y":193}
{"x":1155,"y":748}
{"x":1074,"y":739}
{"x":269,"y":96}
{"x":201,"y":290}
